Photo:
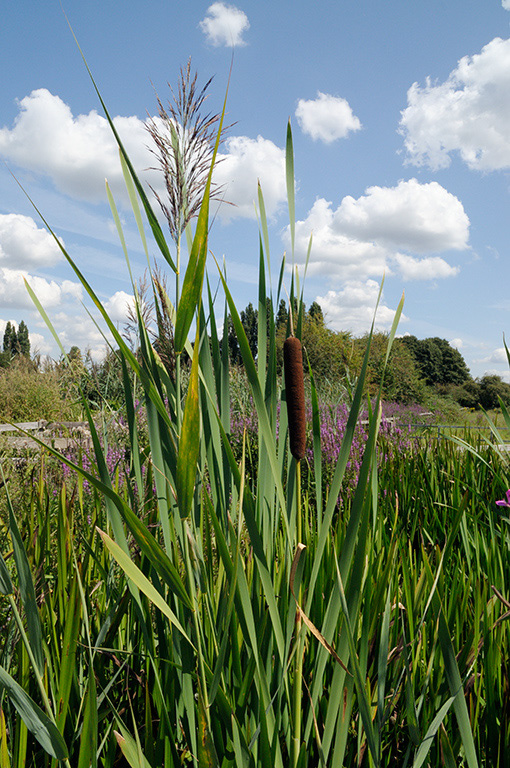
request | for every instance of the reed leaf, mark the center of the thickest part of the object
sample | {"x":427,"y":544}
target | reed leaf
{"x":37,"y":722}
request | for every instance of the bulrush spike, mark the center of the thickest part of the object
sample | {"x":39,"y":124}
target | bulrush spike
{"x":295,"y":393}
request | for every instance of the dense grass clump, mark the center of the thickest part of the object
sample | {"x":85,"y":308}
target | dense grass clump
{"x":28,"y":394}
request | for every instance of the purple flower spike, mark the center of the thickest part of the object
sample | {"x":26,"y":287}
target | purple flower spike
{"x":505,"y":502}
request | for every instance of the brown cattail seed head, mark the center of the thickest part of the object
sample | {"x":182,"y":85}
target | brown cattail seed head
{"x":295,"y":394}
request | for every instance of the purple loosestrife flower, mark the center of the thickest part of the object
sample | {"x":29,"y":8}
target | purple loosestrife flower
{"x":505,"y":502}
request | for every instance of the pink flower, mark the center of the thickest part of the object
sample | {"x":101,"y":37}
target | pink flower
{"x":505,"y":502}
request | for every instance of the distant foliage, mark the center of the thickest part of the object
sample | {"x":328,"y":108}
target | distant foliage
{"x":491,"y":390}
{"x":437,"y":361}
{"x":401,"y":382}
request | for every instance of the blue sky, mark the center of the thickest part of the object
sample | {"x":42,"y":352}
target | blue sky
{"x":401,"y":126}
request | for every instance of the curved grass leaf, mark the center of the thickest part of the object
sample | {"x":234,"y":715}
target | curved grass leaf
{"x":4,"y":751}
{"x":37,"y":722}
{"x":142,"y":582}
{"x":27,"y":591}
{"x":189,"y":443}
{"x":88,"y":740}
{"x":6,"y":585}
{"x":129,"y":749}
{"x":423,"y":749}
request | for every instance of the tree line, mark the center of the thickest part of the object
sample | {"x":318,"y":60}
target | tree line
{"x":417,"y":368}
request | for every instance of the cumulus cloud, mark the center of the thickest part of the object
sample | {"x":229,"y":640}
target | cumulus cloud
{"x":352,"y":307}
{"x":50,"y":293}
{"x":326,"y":118}
{"x":430,"y":268}
{"x":497,"y":356}
{"x":38,"y":343}
{"x":245,"y":162}
{"x":381,"y":230}
{"x":506,"y":4}
{"x":224,"y":25}
{"x":413,"y":216}
{"x":24,"y":245}
{"x":119,"y":305}
{"x":78,"y":153}
{"x":78,"y":329}
{"x":469,"y":113}
{"x":333,"y":252}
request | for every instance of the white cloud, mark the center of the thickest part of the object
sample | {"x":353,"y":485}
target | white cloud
{"x":118,"y":306}
{"x":50,"y":293}
{"x":365,"y":237}
{"x":457,"y":343}
{"x":352,"y":308}
{"x":497,"y":356}
{"x":506,"y":4}
{"x":38,"y":343}
{"x":326,"y":118}
{"x":417,"y":217}
{"x":224,"y":25}
{"x":333,"y":252}
{"x":428,"y":268}
{"x":78,"y":153}
{"x":24,"y":245}
{"x":78,"y":329}
{"x":246,"y":161}
{"x":469,"y":113}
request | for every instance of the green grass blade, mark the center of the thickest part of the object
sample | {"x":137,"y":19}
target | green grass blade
{"x":120,"y":231}
{"x":189,"y":443}
{"x":4,"y":750}
{"x":363,"y":700}
{"x":258,"y":397}
{"x":456,"y":687}
{"x":291,"y":194}
{"x":142,"y":582}
{"x":87,"y":757}
{"x":129,"y":749}
{"x":423,"y":749}
{"x":134,"y":205}
{"x":27,"y":591}
{"x":68,"y":657}
{"x":37,"y":722}
{"x":6,"y":585}
{"x":264,"y":228}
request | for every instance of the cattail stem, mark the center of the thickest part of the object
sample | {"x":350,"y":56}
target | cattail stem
{"x":300,"y":640}
{"x":295,"y":395}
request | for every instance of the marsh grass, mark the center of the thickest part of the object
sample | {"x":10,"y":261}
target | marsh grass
{"x":160,"y":618}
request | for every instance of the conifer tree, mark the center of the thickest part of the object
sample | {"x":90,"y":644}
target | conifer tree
{"x":23,"y":339}
{"x":7,"y":337}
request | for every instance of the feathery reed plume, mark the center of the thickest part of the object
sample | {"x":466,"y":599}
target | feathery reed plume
{"x":295,"y":392}
{"x":184,"y":141}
